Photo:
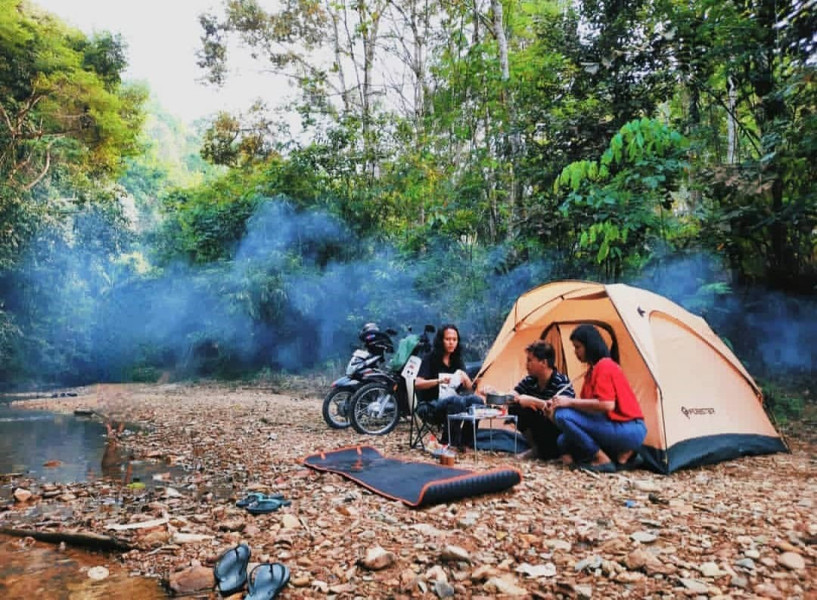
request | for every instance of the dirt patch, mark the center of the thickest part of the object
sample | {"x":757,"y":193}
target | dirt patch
{"x":745,"y":527}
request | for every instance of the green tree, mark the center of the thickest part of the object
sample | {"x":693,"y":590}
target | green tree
{"x":619,"y":205}
{"x":748,"y":80}
{"x":66,"y":124}
{"x":64,"y":117}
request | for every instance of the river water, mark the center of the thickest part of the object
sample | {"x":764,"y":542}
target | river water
{"x":37,"y":570}
{"x":72,"y":447}
{"x":61,"y":448}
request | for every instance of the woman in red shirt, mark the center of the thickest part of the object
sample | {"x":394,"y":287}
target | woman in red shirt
{"x":606,"y":419}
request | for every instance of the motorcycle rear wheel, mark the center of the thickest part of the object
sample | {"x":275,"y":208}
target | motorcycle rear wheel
{"x":374,"y":409}
{"x":336,"y":407}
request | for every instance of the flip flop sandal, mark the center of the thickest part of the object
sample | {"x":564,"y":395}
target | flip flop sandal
{"x":230,"y":569}
{"x":607,"y":467}
{"x":254,"y":497}
{"x":267,"y":505}
{"x":267,"y":580}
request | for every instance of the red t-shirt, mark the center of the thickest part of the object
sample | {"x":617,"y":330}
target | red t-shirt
{"x":606,"y":381}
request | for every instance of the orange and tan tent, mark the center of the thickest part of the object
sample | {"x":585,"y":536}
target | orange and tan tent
{"x":700,"y":404}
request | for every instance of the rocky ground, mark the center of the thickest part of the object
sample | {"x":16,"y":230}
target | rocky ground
{"x":746,"y":528}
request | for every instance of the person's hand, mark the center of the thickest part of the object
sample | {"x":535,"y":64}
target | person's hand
{"x":560,"y":402}
{"x":444,"y":377}
{"x":540,"y":405}
{"x":514,"y":399}
{"x":466,"y":381}
{"x":549,"y":409}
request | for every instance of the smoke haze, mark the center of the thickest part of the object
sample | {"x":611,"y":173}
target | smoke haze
{"x":301,"y":285}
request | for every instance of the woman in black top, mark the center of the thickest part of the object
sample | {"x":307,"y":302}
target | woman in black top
{"x":443,"y":369}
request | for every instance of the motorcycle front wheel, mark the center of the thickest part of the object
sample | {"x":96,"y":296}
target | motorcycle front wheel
{"x":336,"y":408}
{"x":374,"y":410}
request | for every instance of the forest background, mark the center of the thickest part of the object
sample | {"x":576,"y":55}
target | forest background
{"x":435,"y":160}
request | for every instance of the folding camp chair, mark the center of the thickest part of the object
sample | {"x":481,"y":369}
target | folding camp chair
{"x":423,"y":419}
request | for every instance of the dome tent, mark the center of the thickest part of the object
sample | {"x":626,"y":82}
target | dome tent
{"x":700,"y":404}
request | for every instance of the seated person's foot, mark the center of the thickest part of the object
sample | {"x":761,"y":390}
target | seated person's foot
{"x":634,"y":462}
{"x":529,"y":454}
{"x":599,"y":463}
{"x":566,"y":459}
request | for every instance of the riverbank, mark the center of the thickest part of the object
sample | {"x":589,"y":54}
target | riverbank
{"x":743,"y":528}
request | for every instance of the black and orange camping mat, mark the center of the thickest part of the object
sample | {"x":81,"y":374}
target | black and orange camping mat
{"x":412,"y":482}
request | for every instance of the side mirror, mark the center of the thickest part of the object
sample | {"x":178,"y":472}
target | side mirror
{"x":391,"y":331}
{"x":430,"y":329}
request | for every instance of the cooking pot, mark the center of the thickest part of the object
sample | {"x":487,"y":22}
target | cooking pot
{"x":494,"y":399}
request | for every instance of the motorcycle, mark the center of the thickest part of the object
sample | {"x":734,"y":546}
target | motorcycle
{"x":363,"y":362}
{"x":376,"y":408}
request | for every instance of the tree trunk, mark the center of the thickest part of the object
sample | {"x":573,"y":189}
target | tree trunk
{"x":782,"y":268}
{"x":85,"y":539}
{"x":502,"y":42}
{"x":344,"y":91}
{"x":731,"y":126}
{"x":369,"y":24}
{"x":512,"y":139}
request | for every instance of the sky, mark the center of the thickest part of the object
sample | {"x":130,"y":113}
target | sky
{"x":163,"y":37}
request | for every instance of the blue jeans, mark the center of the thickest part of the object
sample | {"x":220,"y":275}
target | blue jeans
{"x":462,"y":432}
{"x":585,"y":433}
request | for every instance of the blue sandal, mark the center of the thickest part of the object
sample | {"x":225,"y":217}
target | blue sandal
{"x":254,"y":497}
{"x":231,"y":569}
{"x":267,"y":580}
{"x":267,"y":505}
{"x":607,"y":467}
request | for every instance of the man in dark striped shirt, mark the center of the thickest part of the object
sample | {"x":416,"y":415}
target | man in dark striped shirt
{"x":542,"y":383}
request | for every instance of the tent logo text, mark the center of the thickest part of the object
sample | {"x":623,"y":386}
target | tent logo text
{"x":696,"y":411}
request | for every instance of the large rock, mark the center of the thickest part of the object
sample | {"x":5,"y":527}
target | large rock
{"x":234,"y":524}
{"x":377,"y":559}
{"x":640,"y":559}
{"x":505,"y":585}
{"x":22,"y":495}
{"x":192,"y":580}
{"x":443,"y":589}
{"x":455,"y":553}
{"x":190,"y":538}
{"x":644,"y":537}
{"x":537,"y":571}
{"x":792,"y":560}
{"x":98,"y":573}
{"x":289,"y":521}
{"x":694,"y":586}
{"x":711,"y":569}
